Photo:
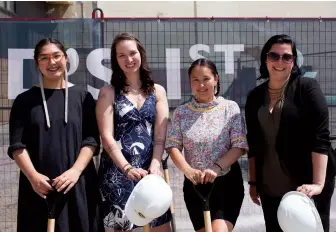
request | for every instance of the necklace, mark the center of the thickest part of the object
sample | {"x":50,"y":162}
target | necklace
{"x":209,"y":101}
{"x":137,"y":93}
{"x":134,"y":90}
{"x":276,"y":94}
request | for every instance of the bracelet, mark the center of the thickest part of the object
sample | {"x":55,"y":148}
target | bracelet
{"x":218,"y":166}
{"x":125,"y":166}
{"x":127,"y":170}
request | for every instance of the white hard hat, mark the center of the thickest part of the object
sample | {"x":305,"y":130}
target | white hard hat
{"x":297,"y":213}
{"x":150,"y":199}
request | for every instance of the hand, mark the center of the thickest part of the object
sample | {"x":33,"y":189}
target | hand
{"x":254,"y":194}
{"x":310,"y":189}
{"x":136,"y":174}
{"x":194,"y":175}
{"x":40,"y":184}
{"x":67,"y":180}
{"x":210,"y":174}
{"x":155,"y":168}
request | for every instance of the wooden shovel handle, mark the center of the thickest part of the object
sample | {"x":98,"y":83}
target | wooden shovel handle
{"x":207,"y":221}
{"x":51,"y":225}
{"x":146,"y":228}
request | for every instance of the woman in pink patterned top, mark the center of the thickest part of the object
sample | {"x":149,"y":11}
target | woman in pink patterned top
{"x":211,"y":132}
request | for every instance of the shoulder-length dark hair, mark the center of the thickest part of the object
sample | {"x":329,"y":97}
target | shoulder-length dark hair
{"x":118,"y":80}
{"x":278,"y":39}
{"x":210,"y":65}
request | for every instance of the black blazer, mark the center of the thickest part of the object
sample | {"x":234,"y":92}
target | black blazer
{"x":303,"y":129}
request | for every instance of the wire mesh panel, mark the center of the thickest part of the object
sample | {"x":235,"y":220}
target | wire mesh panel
{"x":18,"y":72}
{"x":171,"y":45}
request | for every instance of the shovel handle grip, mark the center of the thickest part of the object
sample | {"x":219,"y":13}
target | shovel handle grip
{"x":166,"y":176}
{"x":207,"y":221}
{"x":146,"y":228}
{"x":51,"y":225}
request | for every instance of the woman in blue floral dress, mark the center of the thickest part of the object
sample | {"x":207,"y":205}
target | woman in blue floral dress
{"x":132,"y":115}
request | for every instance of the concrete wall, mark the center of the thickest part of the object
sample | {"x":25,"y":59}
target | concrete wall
{"x":31,"y":9}
{"x":218,"y":9}
{"x":147,"y":9}
{"x":3,"y":14}
{"x":78,"y":9}
{"x":43,"y":9}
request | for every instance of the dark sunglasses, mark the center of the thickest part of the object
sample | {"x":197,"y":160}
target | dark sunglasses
{"x":286,"y":58}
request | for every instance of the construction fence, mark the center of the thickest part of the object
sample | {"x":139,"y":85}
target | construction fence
{"x":171,"y":44}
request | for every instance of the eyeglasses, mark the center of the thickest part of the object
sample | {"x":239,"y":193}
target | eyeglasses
{"x":286,"y":58}
{"x":47,"y":58}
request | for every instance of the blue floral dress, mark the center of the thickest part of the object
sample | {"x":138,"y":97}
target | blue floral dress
{"x":134,"y":132}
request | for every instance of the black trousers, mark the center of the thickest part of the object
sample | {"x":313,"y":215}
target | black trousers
{"x":226,"y":198}
{"x":322,"y":202}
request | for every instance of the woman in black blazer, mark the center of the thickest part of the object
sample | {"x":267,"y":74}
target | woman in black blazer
{"x":288,"y":135}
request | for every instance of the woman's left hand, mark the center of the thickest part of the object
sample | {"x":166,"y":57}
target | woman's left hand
{"x":310,"y":189}
{"x":155,"y":168}
{"x":67,"y":180}
{"x":210,"y":175}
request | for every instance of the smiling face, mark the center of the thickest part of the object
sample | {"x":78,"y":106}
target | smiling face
{"x":203,"y":82}
{"x":128,"y":56}
{"x":280,"y":61}
{"x":52,"y":62}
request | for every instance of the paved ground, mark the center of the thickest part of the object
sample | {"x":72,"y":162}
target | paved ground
{"x":250,"y":218}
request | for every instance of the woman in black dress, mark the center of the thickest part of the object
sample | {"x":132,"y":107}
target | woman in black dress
{"x":288,"y":135}
{"x":53,"y":136}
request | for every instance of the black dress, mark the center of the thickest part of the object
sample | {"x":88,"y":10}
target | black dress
{"x":53,"y":151}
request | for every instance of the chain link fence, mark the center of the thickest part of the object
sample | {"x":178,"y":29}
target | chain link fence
{"x":171,"y":45}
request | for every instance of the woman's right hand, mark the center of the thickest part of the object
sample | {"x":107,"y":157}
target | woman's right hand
{"x":254,"y":194}
{"x":136,"y":174}
{"x":40,"y":184}
{"x":194,"y":175}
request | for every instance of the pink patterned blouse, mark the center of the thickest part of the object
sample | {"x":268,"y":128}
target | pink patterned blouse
{"x":206,"y":131}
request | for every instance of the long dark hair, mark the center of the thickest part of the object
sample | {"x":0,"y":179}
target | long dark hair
{"x":118,"y":80}
{"x":46,"y":41}
{"x":278,"y":39}
{"x":209,"y":64}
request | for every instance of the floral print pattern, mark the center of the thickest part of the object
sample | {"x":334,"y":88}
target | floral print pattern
{"x":206,"y":131}
{"x":134,"y":131}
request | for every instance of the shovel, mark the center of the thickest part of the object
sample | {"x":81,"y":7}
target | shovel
{"x":164,"y":162}
{"x":205,"y":196}
{"x":51,"y":200}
